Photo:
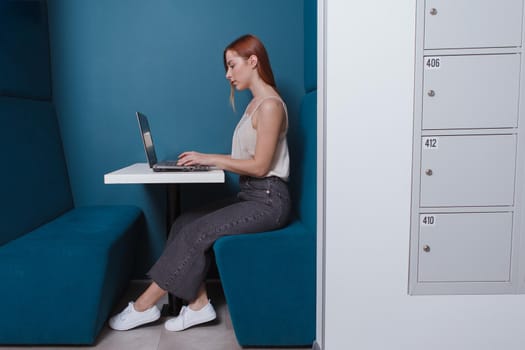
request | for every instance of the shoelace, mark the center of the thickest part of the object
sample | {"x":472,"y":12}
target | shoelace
{"x":126,"y":311}
{"x":183,"y":311}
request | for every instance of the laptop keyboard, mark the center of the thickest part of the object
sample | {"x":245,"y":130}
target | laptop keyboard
{"x":170,"y":163}
{"x":199,"y":167}
{"x":186,"y":167}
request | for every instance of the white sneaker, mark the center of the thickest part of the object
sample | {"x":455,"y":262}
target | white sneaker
{"x":130,"y":318}
{"x":188,"y":318}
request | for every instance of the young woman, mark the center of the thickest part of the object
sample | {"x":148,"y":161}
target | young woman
{"x":260,"y":156}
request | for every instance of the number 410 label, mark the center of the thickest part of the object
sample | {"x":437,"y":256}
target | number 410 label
{"x":428,"y":220}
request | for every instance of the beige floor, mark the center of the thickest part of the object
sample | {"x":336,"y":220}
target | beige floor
{"x":217,"y":335}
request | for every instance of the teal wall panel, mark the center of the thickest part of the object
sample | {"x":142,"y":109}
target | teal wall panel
{"x":163,"y":58}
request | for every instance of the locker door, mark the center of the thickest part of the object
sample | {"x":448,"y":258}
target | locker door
{"x":465,"y":247}
{"x":471,"y":92}
{"x":475,"y":170}
{"x":472,"y":23}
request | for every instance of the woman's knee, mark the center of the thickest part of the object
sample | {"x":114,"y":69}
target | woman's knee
{"x":182,"y":221}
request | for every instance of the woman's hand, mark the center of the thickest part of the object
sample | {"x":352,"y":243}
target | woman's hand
{"x":195,"y":158}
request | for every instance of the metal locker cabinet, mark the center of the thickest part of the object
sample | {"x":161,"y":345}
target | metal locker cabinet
{"x":472,"y":91}
{"x":472,"y":23}
{"x":465,"y":247}
{"x":473,"y":170}
{"x":467,"y":217}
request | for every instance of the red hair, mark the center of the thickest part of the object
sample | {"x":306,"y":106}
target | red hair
{"x":248,"y":45}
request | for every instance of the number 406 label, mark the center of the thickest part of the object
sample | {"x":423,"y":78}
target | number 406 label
{"x":428,"y":220}
{"x":432,"y":62}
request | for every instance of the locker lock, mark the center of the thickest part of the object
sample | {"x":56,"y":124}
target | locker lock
{"x":426,"y":248}
{"x":431,"y":93}
{"x":429,"y":172}
{"x":433,"y":12}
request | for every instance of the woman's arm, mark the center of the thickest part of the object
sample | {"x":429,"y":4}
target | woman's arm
{"x":269,"y":121}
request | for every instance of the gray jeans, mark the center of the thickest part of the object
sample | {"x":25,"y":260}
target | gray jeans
{"x":263,"y":204}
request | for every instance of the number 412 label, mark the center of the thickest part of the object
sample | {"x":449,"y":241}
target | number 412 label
{"x":430,"y":142}
{"x":428,"y":220}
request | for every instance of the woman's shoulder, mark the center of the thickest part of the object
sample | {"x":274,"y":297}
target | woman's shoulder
{"x":267,"y":104}
{"x":271,"y":107}
{"x":271,"y":111}
{"x":272,"y":104}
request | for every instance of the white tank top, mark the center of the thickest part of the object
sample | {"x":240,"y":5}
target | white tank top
{"x":245,"y":138}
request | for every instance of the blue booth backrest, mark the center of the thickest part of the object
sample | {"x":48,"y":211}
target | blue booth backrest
{"x":304,"y":142}
{"x":310,"y":45}
{"x":24,"y":50}
{"x":303,"y":158}
{"x":34,"y":181}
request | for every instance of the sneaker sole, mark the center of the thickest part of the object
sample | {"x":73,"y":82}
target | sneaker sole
{"x":136,"y":324}
{"x":195,"y":323}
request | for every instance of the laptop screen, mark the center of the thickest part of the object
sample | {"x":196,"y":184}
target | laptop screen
{"x":147,"y":139}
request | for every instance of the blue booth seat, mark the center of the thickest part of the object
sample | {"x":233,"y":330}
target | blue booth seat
{"x":269,"y":278}
{"x":62,"y":267}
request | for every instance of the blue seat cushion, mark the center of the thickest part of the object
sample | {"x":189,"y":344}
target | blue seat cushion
{"x":62,"y":279}
{"x":269,"y":283}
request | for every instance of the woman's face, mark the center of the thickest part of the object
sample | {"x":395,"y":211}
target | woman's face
{"x":239,"y":71}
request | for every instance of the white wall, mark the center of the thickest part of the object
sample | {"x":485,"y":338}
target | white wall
{"x":369,"y":105}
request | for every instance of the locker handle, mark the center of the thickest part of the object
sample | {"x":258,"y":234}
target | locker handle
{"x":429,"y":172}
{"x":426,"y":248}
{"x":433,"y":11}
{"x":431,"y":93}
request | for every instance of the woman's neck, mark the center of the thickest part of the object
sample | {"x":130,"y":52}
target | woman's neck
{"x":260,"y":89}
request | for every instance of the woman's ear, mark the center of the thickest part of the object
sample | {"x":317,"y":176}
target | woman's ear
{"x":253,"y":60}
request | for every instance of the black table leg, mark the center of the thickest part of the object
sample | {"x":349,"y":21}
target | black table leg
{"x":173,"y":211}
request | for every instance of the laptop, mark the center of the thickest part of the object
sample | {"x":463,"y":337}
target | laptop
{"x":167,"y":165}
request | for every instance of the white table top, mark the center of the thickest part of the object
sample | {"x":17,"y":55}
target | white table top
{"x":141,"y":173}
